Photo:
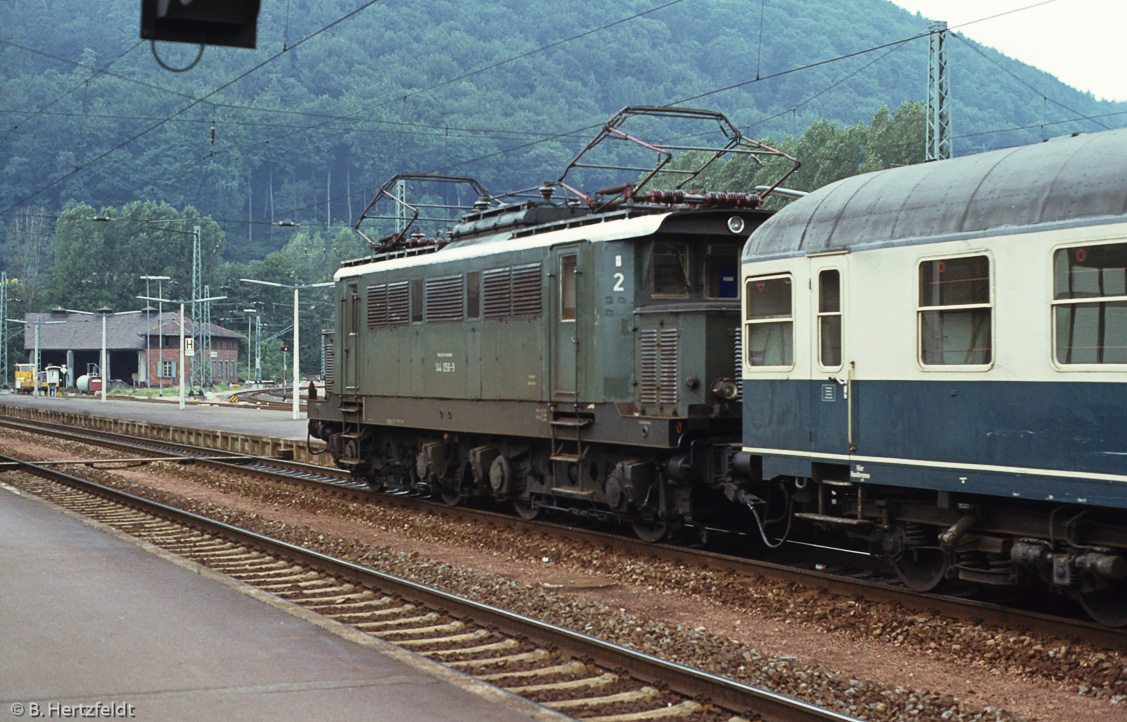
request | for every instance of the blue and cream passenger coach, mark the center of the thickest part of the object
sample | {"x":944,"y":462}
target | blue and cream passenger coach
{"x":935,"y":357}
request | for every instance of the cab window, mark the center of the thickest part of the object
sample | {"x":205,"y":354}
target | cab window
{"x":721,"y":271}
{"x":670,"y":270}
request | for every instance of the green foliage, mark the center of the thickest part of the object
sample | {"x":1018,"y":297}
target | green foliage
{"x":827,"y":152}
{"x":393,"y":89}
{"x":100,"y":263}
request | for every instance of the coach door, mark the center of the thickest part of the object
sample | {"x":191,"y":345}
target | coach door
{"x":350,"y":337}
{"x":564,"y":279}
{"x":831,"y":386}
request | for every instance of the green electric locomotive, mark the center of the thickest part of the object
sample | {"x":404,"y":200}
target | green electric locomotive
{"x":577,"y":354}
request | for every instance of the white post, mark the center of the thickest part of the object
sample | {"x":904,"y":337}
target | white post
{"x":296,"y":365}
{"x":105,"y":369}
{"x":181,"y":354}
{"x":35,"y":371}
{"x":160,"y":337}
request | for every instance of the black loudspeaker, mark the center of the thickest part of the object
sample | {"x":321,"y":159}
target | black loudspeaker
{"x":233,"y":23}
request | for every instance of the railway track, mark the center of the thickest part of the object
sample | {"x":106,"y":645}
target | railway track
{"x":840,"y":581}
{"x":576,"y":675}
{"x":266,"y":399}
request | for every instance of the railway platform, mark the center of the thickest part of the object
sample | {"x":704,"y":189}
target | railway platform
{"x":92,"y":624}
{"x":227,"y":417}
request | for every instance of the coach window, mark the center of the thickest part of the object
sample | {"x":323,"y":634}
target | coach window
{"x":769,"y":329}
{"x":721,"y":271}
{"x":567,"y":287}
{"x":829,"y":318}
{"x":1090,"y":304}
{"x":670,"y":270}
{"x":955,"y":312}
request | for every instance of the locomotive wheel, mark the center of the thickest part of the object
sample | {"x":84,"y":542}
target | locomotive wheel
{"x":525,"y":509}
{"x":650,"y":531}
{"x":451,"y":497}
{"x":1105,"y":606}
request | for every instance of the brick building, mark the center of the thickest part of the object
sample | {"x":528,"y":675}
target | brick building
{"x":143,"y":348}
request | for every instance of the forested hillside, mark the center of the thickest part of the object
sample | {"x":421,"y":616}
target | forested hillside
{"x":433,"y":85}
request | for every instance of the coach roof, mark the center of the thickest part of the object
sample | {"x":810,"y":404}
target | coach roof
{"x":1062,"y":182}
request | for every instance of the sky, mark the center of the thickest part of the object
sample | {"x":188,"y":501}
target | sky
{"x":1078,"y":41}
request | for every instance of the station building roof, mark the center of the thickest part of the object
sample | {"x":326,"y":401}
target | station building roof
{"x":79,"y":331}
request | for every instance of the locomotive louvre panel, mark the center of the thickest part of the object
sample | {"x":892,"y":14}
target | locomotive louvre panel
{"x":512,"y":292}
{"x":330,"y":359}
{"x":398,"y":303}
{"x":738,"y":360}
{"x":657,"y":368}
{"x":377,"y":305}
{"x":497,"y":292}
{"x":527,"y":291}
{"x":445,"y":300}
{"x":668,"y":347}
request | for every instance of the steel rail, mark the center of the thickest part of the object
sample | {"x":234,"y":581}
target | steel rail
{"x":320,"y":478}
{"x":729,"y":694}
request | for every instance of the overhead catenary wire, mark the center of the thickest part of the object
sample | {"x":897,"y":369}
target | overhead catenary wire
{"x":191,"y":105}
{"x":85,"y":83}
{"x":478,"y":71}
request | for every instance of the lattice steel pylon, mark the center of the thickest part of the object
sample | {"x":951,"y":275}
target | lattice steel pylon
{"x":938,"y":95}
{"x":4,"y":330}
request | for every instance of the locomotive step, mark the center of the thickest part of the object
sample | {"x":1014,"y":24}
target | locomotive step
{"x":570,"y":458}
{"x":572,"y":422}
{"x":572,"y":492}
{"x":832,"y":519}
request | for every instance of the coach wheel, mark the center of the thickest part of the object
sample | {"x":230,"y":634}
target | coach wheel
{"x":650,"y":531}
{"x":526,"y":509}
{"x":1105,"y":606}
{"x":922,"y":569}
{"x":914,"y":555}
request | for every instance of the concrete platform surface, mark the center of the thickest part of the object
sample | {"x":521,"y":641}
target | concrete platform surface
{"x":233,"y":418}
{"x":90,"y":618}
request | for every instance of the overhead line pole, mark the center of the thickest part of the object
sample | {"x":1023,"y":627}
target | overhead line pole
{"x":938,"y":95}
{"x":3,"y":329}
{"x":296,"y":335}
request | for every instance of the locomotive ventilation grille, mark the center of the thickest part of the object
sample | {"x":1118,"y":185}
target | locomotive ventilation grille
{"x":738,"y":371}
{"x":388,"y":304}
{"x":511,"y":292}
{"x":330,"y":360}
{"x":445,"y":300}
{"x":658,"y":366}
